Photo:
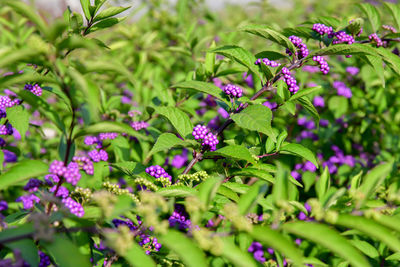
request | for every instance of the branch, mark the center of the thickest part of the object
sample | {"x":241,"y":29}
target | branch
{"x":267,"y":87}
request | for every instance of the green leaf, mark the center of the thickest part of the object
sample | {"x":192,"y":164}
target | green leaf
{"x":279,"y":242}
{"x":299,"y":150}
{"x":101,"y":66}
{"x":59,"y":246}
{"x":392,"y":60}
{"x":306,"y":103}
{"x":280,"y":189}
{"x":238,"y":54}
{"x":43,"y":107}
{"x":365,"y":248}
{"x":28,"y":249}
{"x":338,"y":105}
{"x":394,"y":9}
{"x":371,"y":229}
{"x":373,"y":15}
{"x":16,"y":56}
{"x":377,"y":64}
{"x":106,"y":23}
{"x":109,"y":12}
{"x":85,"y":7}
{"x":329,"y":238}
{"x":281,"y":138}
{"x":22,"y":171}
{"x":304,"y":92}
{"x":233,"y":151}
{"x":136,"y":256}
{"x":176,"y":191}
{"x":107,"y":127}
{"x":208,"y":188}
{"x":270,"y":34}
{"x":248,"y":200}
{"x":392,"y":222}
{"x":178,"y":119}
{"x":24,"y":78}
{"x":394,"y":257}
{"x":373,"y":179}
{"x":271,"y":55}
{"x":253,"y":172}
{"x":323,"y":184}
{"x":19,"y":119}
{"x":189,"y":252}
{"x":27,"y":12}
{"x":235,"y":255}
{"x":166,"y":141}
{"x":255,"y":118}
{"x":90,"y":90}
{"x":204,"y":87}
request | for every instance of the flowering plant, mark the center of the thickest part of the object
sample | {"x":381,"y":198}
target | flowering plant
{"x":157,"y":142}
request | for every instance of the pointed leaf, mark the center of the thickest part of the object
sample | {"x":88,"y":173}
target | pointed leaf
{"x":109,"y":12}
{"x":204,"y":87}
{"x":233,"y":151}
{"x":178,"y":119}
{"x":255,"y":118}
{"x":299,"y":150}
{"x":329,"y":238}
{"x":23,"y":171}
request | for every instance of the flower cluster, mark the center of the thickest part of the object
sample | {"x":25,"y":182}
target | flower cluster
{"x":6,"y":129}
{"x":97,"y":140}
{"x":298,"y":43}
{"x":389,"y":28}
{"x":307,"y":166}
{"x":208,"y":139}
{"x":35,"y":89}
{"x":157,"y":172}
{"x":323,"y":65}
{"x":322,"y":29}
{"x":33,"y":185}
{"x":28,"y":201}
{"x":85,"y":163}
{"x":233,"y":90}
{"x":342,"y":89}
{"x":290,"y":80}
{"x":375,"y":38}
{"x":267,"y":62}
{"x":338,"y":159}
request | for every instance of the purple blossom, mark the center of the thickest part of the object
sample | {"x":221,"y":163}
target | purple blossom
{"x":258,"y":252}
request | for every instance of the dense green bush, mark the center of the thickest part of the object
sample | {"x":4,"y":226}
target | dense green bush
{"x":245,"y":137}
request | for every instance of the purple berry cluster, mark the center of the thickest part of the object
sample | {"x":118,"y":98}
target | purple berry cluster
{"x":389,"y":28}
{"x":307,"y":166}
{"x":6,"y":129}
{"x":157,"y":172}
{"x":85,"y":164}
{"x":28,"y":201}
{"x":105,"y":136}
{"x":98,"y":155}
{"x":319,"y":101}
{"x":97,"y":140}
{"x":267,"y":62}
{"x":62,"y":191}
{"x":302,"y":216}
{"x":258,"y":252}
{"x":73,"y":206}
{"x":33,"y":185}
{"x":148,"y":242}
{"x":353,"y":71}
{"x":7,"y":102}
{"x":208,"y":139}
{"x":375,"y":38}
{"x":342,"y":37}
{"x":308,"y":124}
{"x":323,"y":65}
{"x":338,"y":159}
{"x":290,"y":81}
{"x":179,"y":219}
{"x":322,"y":29}
{"x":44,"y":259}
{"x":298,"y":43}
{"x":70,"y":172}
{"x":342,"y":89}
{"x":233,"y":90}
{"x":35,"y":89}
{"x":138,"y":125}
